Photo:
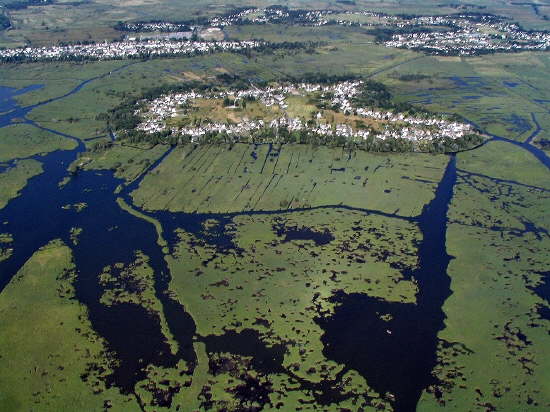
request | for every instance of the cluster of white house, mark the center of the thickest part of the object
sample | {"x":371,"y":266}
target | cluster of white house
{"x":162,"y":26}
{"x":304,"y":17}
{"x":230,"y":19}
{"x":254,"y":15}
{"x":154,"y":115}
{"x":464,"y":34}
{"x":471,"y":37}
{"x":124,"y":49}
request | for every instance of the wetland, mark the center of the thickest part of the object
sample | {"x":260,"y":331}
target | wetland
{"x":256,"y":276}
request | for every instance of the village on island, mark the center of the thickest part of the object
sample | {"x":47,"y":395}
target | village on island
{"x":340,"y":121}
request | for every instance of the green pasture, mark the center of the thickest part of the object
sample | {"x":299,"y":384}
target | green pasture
{"x":128,"y":161}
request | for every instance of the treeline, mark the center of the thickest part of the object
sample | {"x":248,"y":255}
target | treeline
{"x":409,"y":77}
{"x":376,"y":94}
{"x":237,"y":82}
{"x":472,"y":53}
{"x":282,"y":135}
{"x":462,"y":6}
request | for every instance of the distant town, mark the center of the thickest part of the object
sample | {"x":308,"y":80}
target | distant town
{"x":457,"y":34}
{"x":124,"y":50}
{"x":469,"y":36}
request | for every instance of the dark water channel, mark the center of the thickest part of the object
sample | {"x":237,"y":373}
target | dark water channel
{"x":397,"y":353}
{"x":109,"y":235}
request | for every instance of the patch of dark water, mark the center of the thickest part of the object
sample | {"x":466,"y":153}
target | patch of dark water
{"x":384,"y":341}
{"x":544,"y":143}
{"x":253,"y":393}
{"x":544,"y":312}
{"x":542,"y":290}
{"x":268,"y":360}
{"x":109,"y":235}
{"x":265,"y":359}
{"x":394,"y":345}
{"x":222,"y":238}
{"x":302,"y":233}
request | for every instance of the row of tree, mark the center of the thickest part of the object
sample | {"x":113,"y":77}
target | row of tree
{"x":283,"y":136}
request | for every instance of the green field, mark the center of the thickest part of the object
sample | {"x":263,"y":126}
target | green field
{"x":23,"y":141}
{"x":215,"y":179}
